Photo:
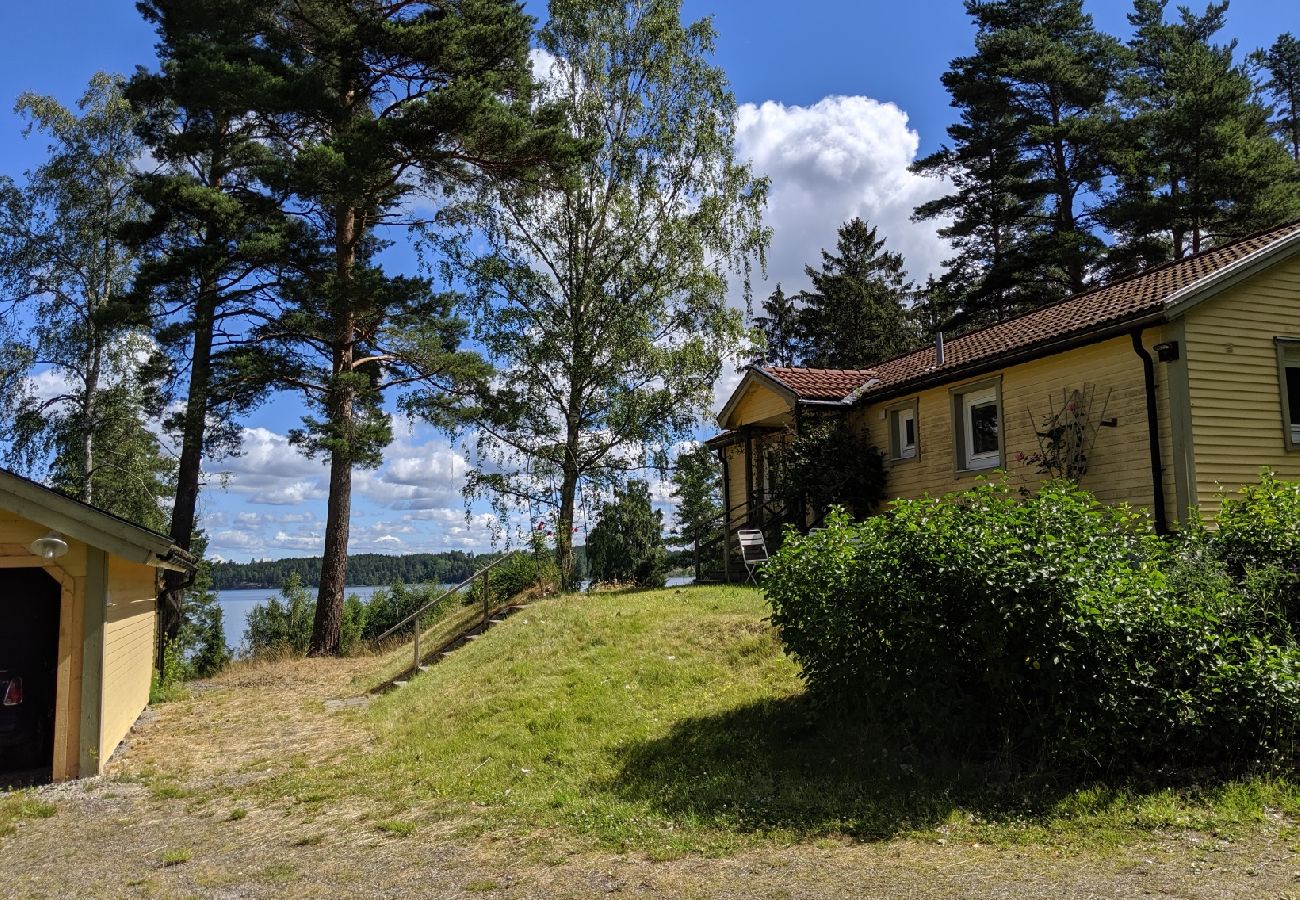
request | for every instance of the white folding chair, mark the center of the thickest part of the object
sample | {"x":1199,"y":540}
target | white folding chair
{"x":753,"y":550}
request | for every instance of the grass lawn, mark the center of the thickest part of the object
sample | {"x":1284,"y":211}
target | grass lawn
{"x":651,"y":742}
{"x":670,"y":722}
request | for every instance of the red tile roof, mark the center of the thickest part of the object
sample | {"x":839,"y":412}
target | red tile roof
{"x":1140,"y":298}
{"x":820,"y":384}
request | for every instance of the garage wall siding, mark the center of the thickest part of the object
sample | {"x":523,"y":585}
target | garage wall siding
{"x":128,"y":650}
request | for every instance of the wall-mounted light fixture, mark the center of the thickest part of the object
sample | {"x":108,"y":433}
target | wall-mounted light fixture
{"x":52,"y":546}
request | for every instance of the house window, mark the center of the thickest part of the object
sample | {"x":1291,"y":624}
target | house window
{"x":979,"y":427}
{"x":1288,"y":360}
{"x":902,"y":432}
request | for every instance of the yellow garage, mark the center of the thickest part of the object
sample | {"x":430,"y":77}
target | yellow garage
{"x":78,"y":617}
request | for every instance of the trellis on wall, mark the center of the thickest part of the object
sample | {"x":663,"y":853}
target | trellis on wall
{"x":1066,"y":433}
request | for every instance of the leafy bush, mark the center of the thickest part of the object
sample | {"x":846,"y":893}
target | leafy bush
{"x":534,"y":569}
{"x":168,"y":683}
{"x":1258,"y":539}
{"x":825,"y":465}
{"x":1048,"y":629}
{"x":284,"y":625}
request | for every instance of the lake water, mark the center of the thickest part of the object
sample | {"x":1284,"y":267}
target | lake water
{"x":235,"y":605}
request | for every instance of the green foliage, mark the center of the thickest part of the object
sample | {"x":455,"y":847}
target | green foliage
{"x":283,"y":624}
{"x":202,"y":634}
{"x":64,"y":265}
{"x":697,"y":485}
{"x":826,"y":465}
{"x":1258,"y":538}
{"x":1074,"y":155}
{"x":168,"y":683}
{"x":1045,"y":630}
{"x":627,"y":544}
{"x":1195,"y":158}
{"x":779,"y":325}
{"x":855,"y":314}
{"x":1281,"y":62}
{"x":1026,"y":152}
{"x":534,"y":569}
{"x":602,"y":298}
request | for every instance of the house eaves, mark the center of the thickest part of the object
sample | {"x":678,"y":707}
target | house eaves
{"x":92,"y":526}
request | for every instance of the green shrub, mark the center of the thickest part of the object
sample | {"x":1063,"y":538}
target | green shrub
{"x":1048,"y":629}
{"x":532,"y":569}
{"x":1258,"y":539}
{"x":284,"y":624}
{"x":168,"y":683}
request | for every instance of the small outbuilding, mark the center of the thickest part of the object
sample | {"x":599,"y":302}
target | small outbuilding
{"x":78,"y":623}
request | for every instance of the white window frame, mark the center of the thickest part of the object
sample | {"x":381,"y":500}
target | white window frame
{"x":898,"y":417}
{"x":1288,"y":357}
{"x":965,"y":400}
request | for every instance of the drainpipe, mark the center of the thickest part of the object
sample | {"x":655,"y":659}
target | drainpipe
{"x":1153,"y":433}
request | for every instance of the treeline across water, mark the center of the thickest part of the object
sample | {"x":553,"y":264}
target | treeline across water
{"x":364,"y":569}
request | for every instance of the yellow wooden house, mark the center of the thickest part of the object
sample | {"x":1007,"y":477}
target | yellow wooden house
{"x":78,"y":610}
{"x":1188,"y":375}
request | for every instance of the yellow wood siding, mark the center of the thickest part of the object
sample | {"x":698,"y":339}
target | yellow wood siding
{"x":1120,"y":469}
{"x":128,"y":650}
{"x":761,"y":403}
{"x":1234,"y":394}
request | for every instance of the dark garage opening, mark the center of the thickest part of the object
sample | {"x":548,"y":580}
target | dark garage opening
{"x":29,"y":662}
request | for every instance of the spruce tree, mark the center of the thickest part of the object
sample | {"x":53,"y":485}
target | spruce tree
{"x":779,"y":325}
{"x":697,"y":485}
{"x":627,"y":543}
{"x":855,"y":315}
{"x":1281,"y":63}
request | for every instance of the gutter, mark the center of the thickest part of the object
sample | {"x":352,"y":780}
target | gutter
{"x":1153,"y":433}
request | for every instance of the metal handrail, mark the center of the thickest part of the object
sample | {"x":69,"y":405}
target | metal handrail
{"x":453,"y":590}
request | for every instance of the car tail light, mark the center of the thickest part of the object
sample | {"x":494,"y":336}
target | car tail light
{"x":13,"y":693}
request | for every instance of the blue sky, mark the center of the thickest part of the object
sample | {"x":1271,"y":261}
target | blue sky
{"x":838,"y":97}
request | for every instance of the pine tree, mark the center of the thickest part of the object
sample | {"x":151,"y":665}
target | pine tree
{"x":371,"y":103}
{"x":993,"y":208}
{"x":1060,"y":73}
{"x":779,"y":325}
{"x":1282,"y":64}
{"x":1026,"y":154}
{"x":855,"y":316}
{"x":1196,"y":161}
{"x":211,"y":234}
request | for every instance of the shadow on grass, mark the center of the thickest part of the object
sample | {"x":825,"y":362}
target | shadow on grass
{"x":767,"y":767}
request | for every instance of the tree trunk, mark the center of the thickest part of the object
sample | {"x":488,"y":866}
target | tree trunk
{"x":191,"y":458}
{"x":327,"y":628}
{"x":89,"y":411}
{"x":564,"y":527}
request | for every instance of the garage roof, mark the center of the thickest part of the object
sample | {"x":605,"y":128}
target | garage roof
{"x":90,"y":524}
